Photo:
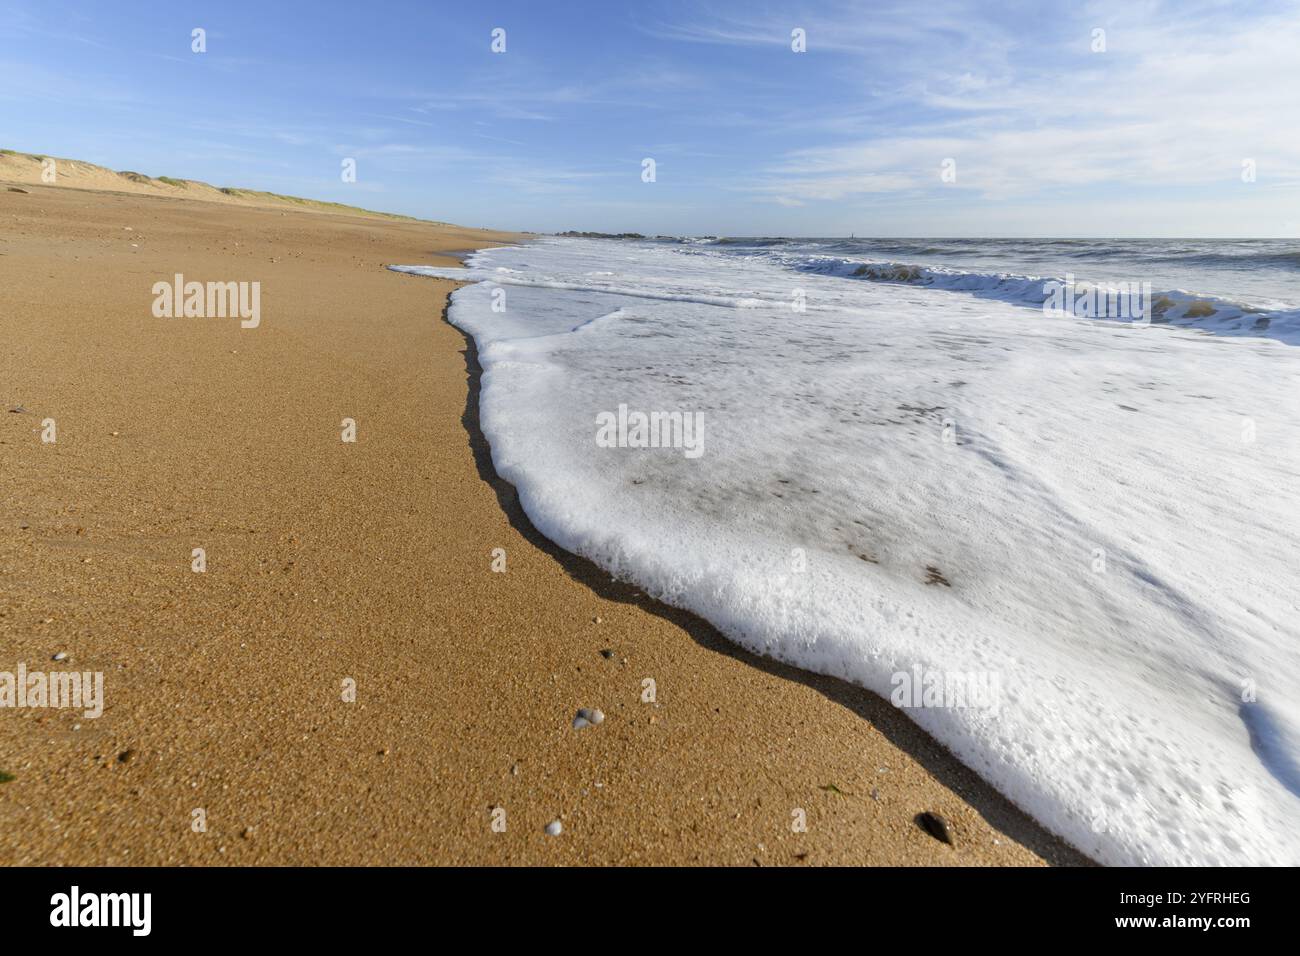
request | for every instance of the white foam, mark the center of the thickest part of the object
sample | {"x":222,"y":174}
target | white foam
{"x":1121,"y":724}
{"x":1168,"y":306}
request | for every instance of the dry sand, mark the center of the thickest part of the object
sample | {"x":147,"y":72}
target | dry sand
{"x":368,"y":561}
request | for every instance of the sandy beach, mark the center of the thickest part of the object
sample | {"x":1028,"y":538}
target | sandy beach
{"x":329,"y":562}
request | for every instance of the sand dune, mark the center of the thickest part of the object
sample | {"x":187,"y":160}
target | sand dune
{"x":37,"y":169}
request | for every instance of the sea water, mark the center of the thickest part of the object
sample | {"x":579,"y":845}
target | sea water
{"x":1067,"y":546}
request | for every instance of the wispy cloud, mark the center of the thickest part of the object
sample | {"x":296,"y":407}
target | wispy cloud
{"x":1173,"y":101}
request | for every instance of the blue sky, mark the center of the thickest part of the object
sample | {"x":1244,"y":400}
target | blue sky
{"x":1047,"y":136}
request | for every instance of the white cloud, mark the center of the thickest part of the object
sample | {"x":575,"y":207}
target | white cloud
{"x":1179,"y":99}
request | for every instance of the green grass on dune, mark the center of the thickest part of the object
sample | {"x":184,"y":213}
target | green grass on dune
{"x":319,"y":204}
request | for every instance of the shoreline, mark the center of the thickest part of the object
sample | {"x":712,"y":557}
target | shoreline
{"x":869,"y":706}
{"x":369,"y":562}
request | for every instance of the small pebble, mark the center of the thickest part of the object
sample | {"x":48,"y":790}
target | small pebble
{"x":597,"y":716}
{"x":606,"y":653}
{"x":554,"y":828}
{"x":934,"y":825}
{"x":61,"y":656}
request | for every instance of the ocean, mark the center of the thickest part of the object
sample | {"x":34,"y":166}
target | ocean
{"x":1063,"y":539}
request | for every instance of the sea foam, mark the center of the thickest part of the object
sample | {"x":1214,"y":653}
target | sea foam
{"x":904,"y":478}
